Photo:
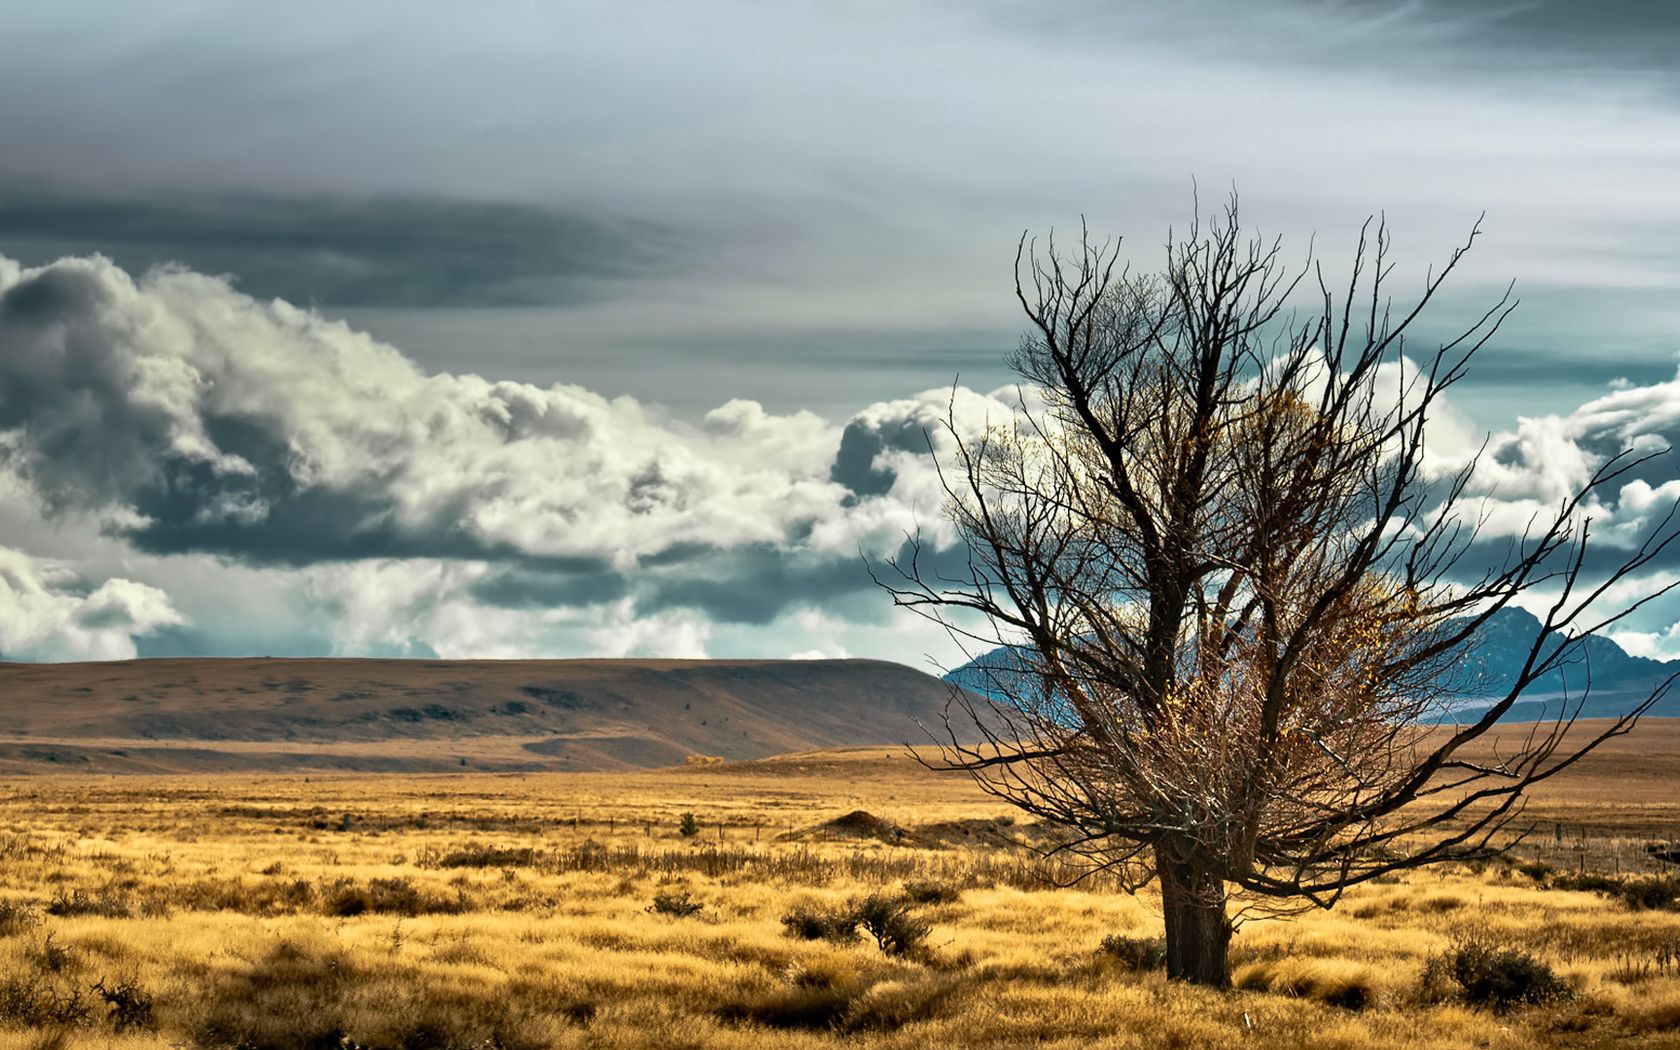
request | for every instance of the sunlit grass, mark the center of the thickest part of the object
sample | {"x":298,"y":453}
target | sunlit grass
{"x":473,"y":913}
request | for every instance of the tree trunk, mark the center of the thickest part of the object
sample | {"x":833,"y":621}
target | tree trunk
{"x":1198,"y":933}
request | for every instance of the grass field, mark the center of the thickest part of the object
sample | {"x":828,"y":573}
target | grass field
{"x":520,"y":911}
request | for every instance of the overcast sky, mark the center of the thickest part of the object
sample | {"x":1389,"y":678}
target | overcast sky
{"x":606,"y":329}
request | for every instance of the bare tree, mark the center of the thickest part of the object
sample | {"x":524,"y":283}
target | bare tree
{"x":1237,"y":599}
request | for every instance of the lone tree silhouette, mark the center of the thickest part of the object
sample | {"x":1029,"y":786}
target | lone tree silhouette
{"x":1236,"y":593}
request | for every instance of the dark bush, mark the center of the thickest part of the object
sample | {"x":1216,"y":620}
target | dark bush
{"x":889,"y":921}
{"x":1650,"y":892}
{"x":688,"y":826}
{"x":1134,"y":953}
{"x":34,"y":1001}
{"x":52,"y":957}
{"x":130,"y":1005}
{"x":15,"y":917}
{"x":384,"y":897}
{"x":488,"y":857}
{"x":1642,"y":892}
{"x":677,"y":904}
{"x":931,"y":892}
{"x":1585,"y":881}
{"x":813,"y":924}
{"x":1488,"y":974}
{"x":80,"y":902}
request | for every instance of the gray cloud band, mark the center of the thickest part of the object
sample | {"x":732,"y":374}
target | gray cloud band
{"x":385,"y":251}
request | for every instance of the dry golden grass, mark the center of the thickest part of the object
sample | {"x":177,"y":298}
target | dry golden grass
{"x":513,"y":911}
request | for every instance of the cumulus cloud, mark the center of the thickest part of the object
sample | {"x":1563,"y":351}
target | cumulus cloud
{"x":265,"y":432}
{"x":192,"y":419}
{"x":206,"y":436}
{"x":1527,"y":472}
{"x":45,"y":614}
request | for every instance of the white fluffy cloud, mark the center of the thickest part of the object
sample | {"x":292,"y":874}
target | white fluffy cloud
{"x":44,"y":615}
{"x":213,"y":417}
{"x":206,"y":420}
{"x":436,"y":512}
{"x":216,"y":446}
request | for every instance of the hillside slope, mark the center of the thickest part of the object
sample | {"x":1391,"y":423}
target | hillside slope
{"x":196,"y":714}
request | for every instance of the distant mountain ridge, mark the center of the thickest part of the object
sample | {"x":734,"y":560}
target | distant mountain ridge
{"x":1489,"y":667}
{"x":259,"y":713}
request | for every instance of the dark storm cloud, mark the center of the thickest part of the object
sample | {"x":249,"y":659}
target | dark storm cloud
{"x":219,"y":640}
{"x":857,"y":466}
{"x":752,"y":584}
{"x":380,"y":251}
{"x":522,"y":586}
{"x":1614,"y":30}
{"x":1615,"y":34}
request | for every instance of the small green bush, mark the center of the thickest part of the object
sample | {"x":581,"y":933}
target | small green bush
{"x":688,"y":827}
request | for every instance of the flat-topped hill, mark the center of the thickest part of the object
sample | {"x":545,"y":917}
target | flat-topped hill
{"x":255,"y":713}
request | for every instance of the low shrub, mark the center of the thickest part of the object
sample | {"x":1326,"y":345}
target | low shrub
{"x":129,"y":1006}
{"x":1134,"y":953}
{"x":488,"y":857}
{"x":890,"y":1005}
{"x":384,"y":897}
{"x":16,"y":917}
{"x":52,"y":957}
{"x":1488,"y":974}
{"x":677,"y":904}
{"x":812,"y":924}
{"x":308,"y":995}
{"x":888,"y":919}
{"x":847,"y":1006}
{"x":79,"y":902}
{"x":802,"y":1006}
{"x":1650,"y":892}
{"x":35,"y":1001}
{"x":931,"y":892}
{"x":1640,"y":892}
{"x":687,"y":826}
